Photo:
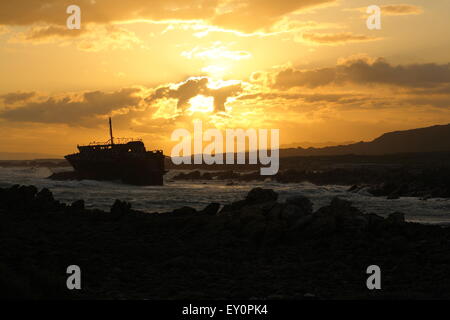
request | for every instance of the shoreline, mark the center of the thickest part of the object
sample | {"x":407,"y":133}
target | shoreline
{"x":198,"y":193}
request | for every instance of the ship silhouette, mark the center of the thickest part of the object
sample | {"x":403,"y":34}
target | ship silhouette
{"x":121,"y":159}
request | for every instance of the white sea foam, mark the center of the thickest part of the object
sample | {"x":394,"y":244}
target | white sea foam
{"x":198,"y":194}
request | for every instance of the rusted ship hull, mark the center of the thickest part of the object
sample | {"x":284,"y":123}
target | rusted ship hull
{"x":132,"y":171}
{"x":127,"y":161}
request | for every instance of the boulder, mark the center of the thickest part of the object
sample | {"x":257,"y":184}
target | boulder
{"x":44,"y":201}
{"x":45,"y":195}
{"x":374,"y":219}
{"x":211,"y":209}
{"x":291,"y":213}
{"x":28,"y":192}
{"x":302,"y":222}
{"x":339,"y":215}
{"x":254,"y":231}
{"x":302,"y":202}
{"x":64,"y":176}
{"x":120,"y":207}
{"x":275,"y":212}
{"x":184,"y":211}
{"x":251,"y":213}
{"x":259,"y":195}
{"x":338,"y":203}
{"x":396,"y":218}
{"x":274,"y":232}
{"x":393,"y":196}
{"x":233,"y":207}
{"x":77,"y":205}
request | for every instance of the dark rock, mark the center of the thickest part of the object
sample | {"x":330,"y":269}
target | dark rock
{"x":233,"y":207}
{"x":45,"y":195}
{"x":302,"y":202}
{"x":28,"y":192}
{"x":251,"y":213}
{"x":184,"y":211}
{"x":194,"y":175}
{"x":338,"y":203}
{"x":162,"y":256}
{"x":292,"y":212}
{"x":340,"y":215}
{"x":65,"y":175}
{"x":211,"y":209}
{"x":78,"y":205}
{"x":266,"y":207}
{"x":274,"y":232}
{"x":44,"y":201}
{"x":258,"y":195}
{"x":396,"y":218}
{"x":310,"y":296}
{"x":275,"y":211}
{"x":393,"y":196}
{"x":120,"y":207}
{"x":374,"y":219}
{"x":207,"y":176}
{"x":302,"y":222}
{"x":254,"y":230}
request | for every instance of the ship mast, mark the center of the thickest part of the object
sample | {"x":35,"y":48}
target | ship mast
{"x":110,"y":131}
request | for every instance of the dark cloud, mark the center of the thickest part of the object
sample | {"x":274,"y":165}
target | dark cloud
{"x":364,"y":72}
{"x":27,"y":12}
{"x":77,"y":111}
{"x":193,"y":87}
{"x":400,"y":9}
{"x":45,"y":32}
{"x":244,"y":15}
{"x":393,"y":10}
{"x":14,"y":97}
{"x":251,"y":15}
{"x":289,"y":78}
{"x":337,"y":38}
{"x":428,"y":98}
{"x":311,"y":98}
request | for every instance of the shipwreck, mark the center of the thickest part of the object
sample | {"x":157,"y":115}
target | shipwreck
{"x":118,"y":159}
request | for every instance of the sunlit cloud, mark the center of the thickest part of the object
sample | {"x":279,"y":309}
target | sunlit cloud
{"x":216,"y":52}
{"x":394,"y":9}
{"x":92,"y":38}
{"x":183,"y":92}
{"x":336,"y":38}
{"x":362,"y":71}
{"x":14,"y":97}
{"x":4,"y":29}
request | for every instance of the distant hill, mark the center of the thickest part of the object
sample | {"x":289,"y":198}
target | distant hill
{"x":429,"y":139}
{"x":308,"y":144}
{"x":27,"y":156}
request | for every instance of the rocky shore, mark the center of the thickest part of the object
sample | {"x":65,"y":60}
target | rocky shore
{"x":390,"y":182}
{"x":254,"y":248}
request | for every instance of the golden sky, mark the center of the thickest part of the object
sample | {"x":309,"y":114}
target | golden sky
{"x":310,"y":68}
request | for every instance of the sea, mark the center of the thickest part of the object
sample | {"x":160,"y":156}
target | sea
{"x":197,"y":194}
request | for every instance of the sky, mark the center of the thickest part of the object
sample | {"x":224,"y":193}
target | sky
{"x":310,"y":68}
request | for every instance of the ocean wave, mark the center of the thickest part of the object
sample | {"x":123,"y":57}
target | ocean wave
{"x":175,"y":194}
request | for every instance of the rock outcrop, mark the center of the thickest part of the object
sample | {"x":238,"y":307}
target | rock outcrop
{"x":255,"y":247}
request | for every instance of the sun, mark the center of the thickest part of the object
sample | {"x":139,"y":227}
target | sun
{"x":201,"y":103}
{"x":216,"y":71}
